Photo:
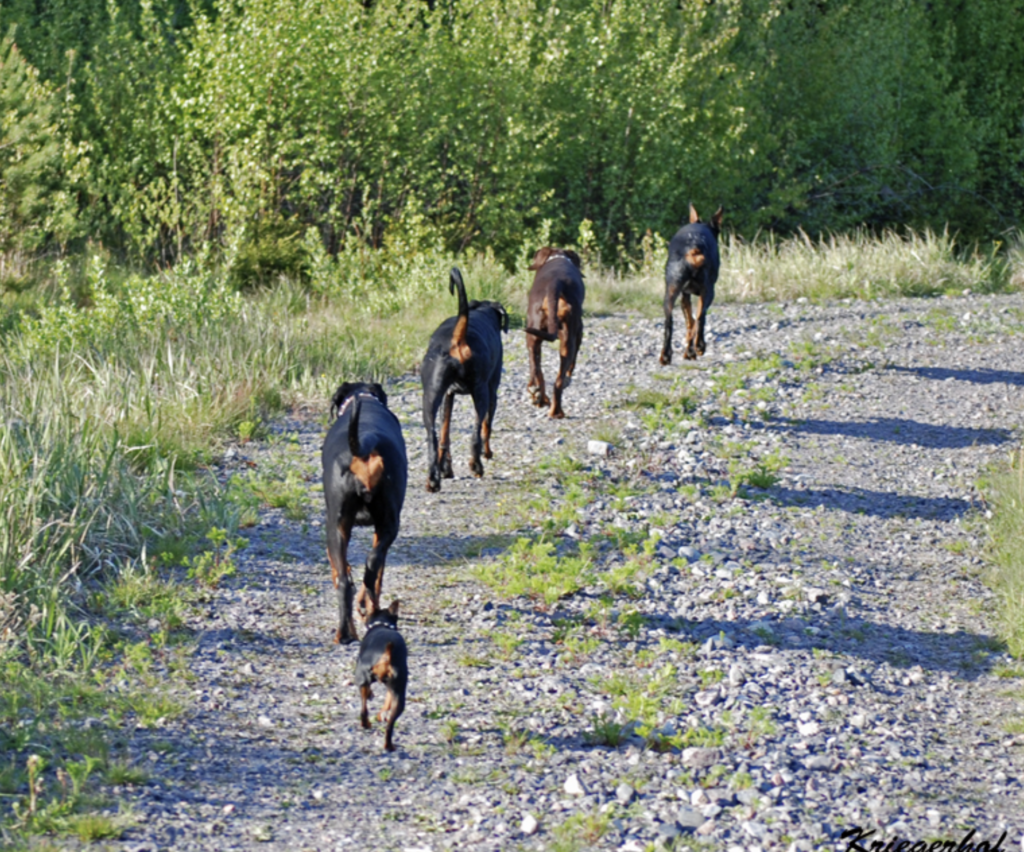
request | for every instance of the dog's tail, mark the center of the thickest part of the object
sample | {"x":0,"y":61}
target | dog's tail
{"x":384,"y":669}
{"x":366,"y":466}
{"x":459,"y":349}
{"x":694,"y":258}
{"x":353,"y":429}
{"x":551,"y":316}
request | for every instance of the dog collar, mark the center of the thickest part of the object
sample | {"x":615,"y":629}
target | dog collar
{"x":355,"y":396}
{"x":379,"y":624}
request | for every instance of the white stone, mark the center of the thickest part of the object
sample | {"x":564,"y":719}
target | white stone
{"x":573,"y":786}
{"x":529,"y":824}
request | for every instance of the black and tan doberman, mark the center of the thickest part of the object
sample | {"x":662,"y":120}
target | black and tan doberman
{"x":464,"y":357}
{"x":383,"y":658}
{"x":365,"y":474}
{"x":691,"y":270}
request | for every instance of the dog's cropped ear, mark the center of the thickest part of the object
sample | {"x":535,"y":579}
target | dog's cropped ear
{"x":393,"y":609}
{"x":379,"y":392}
{"x":694,"y":216}
{"x":716,"y":221}
{"x":340,"y":395}
{"x":541,"y":257}
{"x":575,"y":258}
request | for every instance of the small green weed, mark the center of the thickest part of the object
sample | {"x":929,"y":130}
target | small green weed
{"x":212,"y":566}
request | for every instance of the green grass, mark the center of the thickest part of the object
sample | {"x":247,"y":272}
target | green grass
{"x":535,"y":570}
{"x":1005,"y":550}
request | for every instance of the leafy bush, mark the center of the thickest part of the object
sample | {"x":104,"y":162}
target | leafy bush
{"x":246,"y":131}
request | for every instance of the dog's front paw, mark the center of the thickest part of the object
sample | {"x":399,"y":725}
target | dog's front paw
{"x":666,"y":358}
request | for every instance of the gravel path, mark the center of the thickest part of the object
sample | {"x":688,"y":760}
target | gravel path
{"x":780,"y":663}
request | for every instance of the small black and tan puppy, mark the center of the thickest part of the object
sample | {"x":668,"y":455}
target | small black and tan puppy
{"x":365,"y":474}
{"x":691,"y":270}
{"x":464,"y":357}
{"x":554,"y":311}
{"x":383,"y":658}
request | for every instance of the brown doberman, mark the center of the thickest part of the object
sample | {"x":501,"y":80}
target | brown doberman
{"x":554,"y":311}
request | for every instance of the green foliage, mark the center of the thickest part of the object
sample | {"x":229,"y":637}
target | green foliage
{"x":34,"y":204}
{"x":262,"y":133}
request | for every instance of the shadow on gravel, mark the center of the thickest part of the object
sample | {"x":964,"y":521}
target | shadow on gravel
{"x":980,"y":376}
{"x":882,"y":504}
{"x":962,"y":654}
{"x":902,"y":431}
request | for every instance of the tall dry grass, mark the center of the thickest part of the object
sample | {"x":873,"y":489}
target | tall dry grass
{"x":1005,"y":493}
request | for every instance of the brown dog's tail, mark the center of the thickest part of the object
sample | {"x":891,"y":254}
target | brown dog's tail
{"x":551,"y":316}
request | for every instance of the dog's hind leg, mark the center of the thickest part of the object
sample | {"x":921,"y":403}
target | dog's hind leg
{"x":386,"y":708}
{"x":565,"y":356}
{"x":373,"y":578}
{"x":482,"y":404}
{"x":671,"y":293}
{"x":691,"y":329}
{"x":431,"y":405}
{"x":702,"y":312}
{"x":364,"y":716}
{"x":488,"y":420}
{"x":341,"y":576}
{"x":536,"y":384}
{"x":397,"y":706}
{"x":444,"y":453}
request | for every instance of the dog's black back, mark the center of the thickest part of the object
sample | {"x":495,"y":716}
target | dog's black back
{"x":378,"y":431}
